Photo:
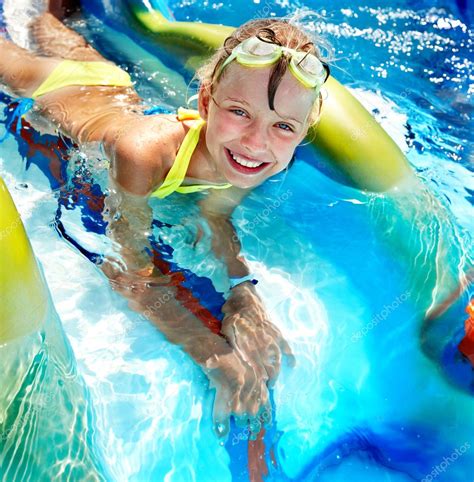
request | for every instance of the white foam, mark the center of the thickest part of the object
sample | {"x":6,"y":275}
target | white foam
{"x":18,"y":14}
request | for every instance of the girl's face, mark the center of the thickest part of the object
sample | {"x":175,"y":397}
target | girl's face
{"x":241,"y":129}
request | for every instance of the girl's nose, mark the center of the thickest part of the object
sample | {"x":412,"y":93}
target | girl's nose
{"x":255,"y":140}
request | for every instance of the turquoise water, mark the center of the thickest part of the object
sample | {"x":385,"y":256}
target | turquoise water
{"x":376,"y":394}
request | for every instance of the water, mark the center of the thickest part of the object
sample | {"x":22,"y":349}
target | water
{"x":377,"y":394}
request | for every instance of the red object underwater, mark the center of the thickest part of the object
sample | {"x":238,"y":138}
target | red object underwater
{"x":466,"y":347}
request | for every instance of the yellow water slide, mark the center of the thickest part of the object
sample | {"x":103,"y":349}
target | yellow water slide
{"x":23,"y":294}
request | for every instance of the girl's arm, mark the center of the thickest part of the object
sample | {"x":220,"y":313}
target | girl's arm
{"x":246,"y":323}
{"x":129,"y":222}
{"x":241,"y":388}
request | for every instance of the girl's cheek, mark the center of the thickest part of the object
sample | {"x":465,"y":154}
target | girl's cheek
{"x":285,"y":148}
{"x":228,"y":127}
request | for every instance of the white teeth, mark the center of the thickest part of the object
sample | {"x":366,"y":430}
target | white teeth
{"x":244,"y":162}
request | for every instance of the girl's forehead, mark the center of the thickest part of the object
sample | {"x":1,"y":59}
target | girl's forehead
{"x":250,"y":84}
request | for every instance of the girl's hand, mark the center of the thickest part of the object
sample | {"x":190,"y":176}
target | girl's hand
{"x":241,"y":391}
{"x":251,"y":333}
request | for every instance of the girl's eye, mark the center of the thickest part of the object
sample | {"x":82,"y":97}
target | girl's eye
{"x":280,"y":125}
{"x":238,"y":112}
{"x":285,"y":127}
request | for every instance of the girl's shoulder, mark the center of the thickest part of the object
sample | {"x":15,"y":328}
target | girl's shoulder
{"x":172,"y":132}
{"x":143,"y":149}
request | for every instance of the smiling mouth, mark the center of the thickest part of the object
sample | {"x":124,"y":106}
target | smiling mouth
{"x":244,"y":166}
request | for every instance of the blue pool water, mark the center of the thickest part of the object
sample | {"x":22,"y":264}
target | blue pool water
{"x":376,"y":394}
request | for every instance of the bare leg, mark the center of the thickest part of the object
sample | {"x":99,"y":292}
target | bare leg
{"x":21,"y":70}
{"x":56,"y":40}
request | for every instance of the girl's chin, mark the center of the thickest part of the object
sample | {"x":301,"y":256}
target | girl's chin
{"x":241,"y":180}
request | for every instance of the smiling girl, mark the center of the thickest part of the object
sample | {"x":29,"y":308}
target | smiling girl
{"x":258,"y":96}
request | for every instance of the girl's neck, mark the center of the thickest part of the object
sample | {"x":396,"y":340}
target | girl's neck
{"x":201,"y":167}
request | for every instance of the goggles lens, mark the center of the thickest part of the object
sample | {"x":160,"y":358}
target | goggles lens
{"x":311,"y":65}
{"x":255,"y":46}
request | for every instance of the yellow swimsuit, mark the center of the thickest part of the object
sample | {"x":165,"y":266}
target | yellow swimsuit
{"x":71,"y":72}
{"x":179,"y":168}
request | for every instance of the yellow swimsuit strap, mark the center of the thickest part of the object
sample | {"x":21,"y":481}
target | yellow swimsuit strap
{"x":73,"y":72}
{"x":180,"y":166}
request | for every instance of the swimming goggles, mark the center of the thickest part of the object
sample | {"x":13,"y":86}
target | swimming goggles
{"x":255,"y":52}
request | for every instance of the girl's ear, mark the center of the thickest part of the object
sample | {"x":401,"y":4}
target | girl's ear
{"x":204,"y":98}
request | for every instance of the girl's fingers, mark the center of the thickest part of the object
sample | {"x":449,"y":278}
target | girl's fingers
{"x":273,"y":362}
{"x":255,"y":361}
{"x":272,"y":372}
{"x":241,"y":420}
{"x":220,"y":415}
{"x":249,"y":388}
{"x":285,"y":347}
{"x":263,"y":413}
{"x":255,"y":425}
{"x":266,"y":415}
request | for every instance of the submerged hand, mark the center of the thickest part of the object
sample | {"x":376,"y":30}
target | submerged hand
{"x":241,"y":391}
{"x":251,"y":333}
